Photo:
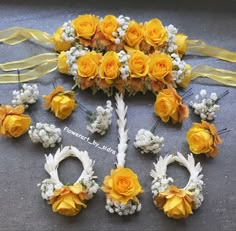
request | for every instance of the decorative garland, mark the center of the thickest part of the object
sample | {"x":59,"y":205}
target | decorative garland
{"x":177,"y":203}
{"x":68,"y":200}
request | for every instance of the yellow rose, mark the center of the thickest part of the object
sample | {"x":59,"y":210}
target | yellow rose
{"x":155,"y":33}
{"x":61,"y":102}
{"x":160,"y":67}
{"x":88,"y":64}
{"x":13,"y":122}
{"x":181,"y":42}
{"x":122,"y":185}
{"x":109,"y":25}
{"x":176,"y":203}
{"x":62,"y":63}
{"x":85,"y":25}
{"x":134,"y":35}
{"x":109,"y":68}
{"x":168,"y":106}
{"x":59,"y":43}
{"x":138,"y":64}
{"x":68,"y":200}
{"x":203,"y":138}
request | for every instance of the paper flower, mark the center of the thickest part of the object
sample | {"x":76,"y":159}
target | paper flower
{"x":203,"y":138}
{"x":13,"y":123}
{"x":47,"y":134}
{"x":61,"y":102}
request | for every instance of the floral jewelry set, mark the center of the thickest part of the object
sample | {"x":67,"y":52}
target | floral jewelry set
{"x":117,"y":53}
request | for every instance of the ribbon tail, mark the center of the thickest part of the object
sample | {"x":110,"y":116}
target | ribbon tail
{"x":36,"y":73}
{"x":29,"y":62}
{"x":200,"y":47}
{"x":222,"y":76}
{"x":15,"y":35}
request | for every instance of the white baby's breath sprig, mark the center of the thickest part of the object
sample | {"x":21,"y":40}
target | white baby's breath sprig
{"x":101,"y":119}
{"x":121,"y":110}
{"x":179,"y":69}
{"x":124,"y":68}
{"x":68,"y":32}
{"x":205,"y":105}
{"x":27,"y":94}
{"x":46,"y":134}
{"x":123,"y":25}
{"x":171,"y":42}
{"x":148,"y":142}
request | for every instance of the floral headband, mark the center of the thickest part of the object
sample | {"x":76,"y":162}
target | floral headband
{"x":114,"y":34}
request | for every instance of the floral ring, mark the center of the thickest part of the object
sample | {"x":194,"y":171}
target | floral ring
{"x":68,"y":199}
{"x":177,"y":203}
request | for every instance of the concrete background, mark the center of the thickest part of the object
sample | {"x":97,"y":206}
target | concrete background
{"x":22,"y":163}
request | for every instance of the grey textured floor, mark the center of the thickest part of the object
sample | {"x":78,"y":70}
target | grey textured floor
{"x":21,"y":162}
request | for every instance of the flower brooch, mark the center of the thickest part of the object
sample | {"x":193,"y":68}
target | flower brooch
{"x":68,"y":200}
{"x":177,"y":203}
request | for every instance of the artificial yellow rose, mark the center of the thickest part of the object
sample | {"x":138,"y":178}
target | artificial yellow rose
{"x":134,"y":35}
{"x":109,"y":25}
{"x":203,"y":138}
{"x":169,"y":105}
{"x":109,"y":68}
{"x":160,"y":67}
{"x":59,"y":43}
{"x":176,"y":203}
{"x":69,"y":200}
{"x":62,"y":63}
{"x":122,"y":185}
{"x":61,"y":102}
{"x":13,"y":122}
{"x":155,"y":33}
{"x":138,"y":64}
{"x":181,"y":42}
{"x":88,"y":64}
{"x":85,"y":25}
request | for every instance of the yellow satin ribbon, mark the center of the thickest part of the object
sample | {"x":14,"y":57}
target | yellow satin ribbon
{"x":223,"y":76}
{"x":17,"y":35}
{"x":36,"y":73}
{"x":29,"y":62}
{"x":200,"y":47}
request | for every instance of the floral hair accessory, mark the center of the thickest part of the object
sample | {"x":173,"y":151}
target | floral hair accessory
{"x":148,"y":142}
{"x":46,"y":134}
{"x":61,"y":102}
{"x":101,"y":119}
{"x":177,"y":202}
{"x":68,"y":200}
{"x":112,"y":34}
{"x":169,"y":106}
{"x":28,"y":94}
{"x":203,"y":138}
{"x":206,"y":106}
{"x":13,"y":123}
{"x":122,"y":185}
